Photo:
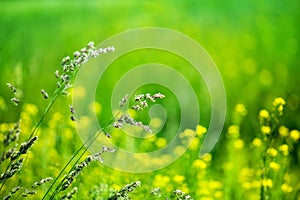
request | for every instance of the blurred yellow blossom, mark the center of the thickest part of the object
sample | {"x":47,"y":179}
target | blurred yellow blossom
{"x":240,"y":108}
{"x":278,"y":104}
{"x":278,"y":101}
{"x":30,"y":108}
{"x":161,"y":181}
{"x":178,"y":178}
{"x":234,"y":130}
{"x":187,"y":133}
{"x":267,"y":183}
{"x":272,"y":152}
{"x":95,"y":107}
{"x":284,"y":148}
{"x":161,"y":142}
{"x":286,"y":188}
{"x":200,"y":130}
{"x":257,"y":142}
{"x":265,"y":130}
{"x":275,"y":166}
{"x":294,"y":134}
{"x":195,"y":144}
{"x":215,"y":184}
{"x":238,"y":144}
{"x":199,"y":164}
{"x":283,"y":131}
{"x":207,"y":157}
{"x":264,"y":114}
{"x":179,"y":150}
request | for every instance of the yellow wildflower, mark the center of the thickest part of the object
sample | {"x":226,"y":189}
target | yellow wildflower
{"x":207,"y":157}
{"x":275,"y":166}
{"x":95,"y":107}
{"x":178,"y":178}
{"x":284,"y":148}
{"x":278,"y":104}
{"x":286,"y":188}
{"x":234,"y":130}
{"x":195,"y":144}
{"x":199,"y":164}
{"x":257,"y":142}
{"x":267,"y":183}
{"x":240,"y":108}
{"x":272,"y":152}
{"x":238,"y":144}
{"x":30,"y":108}
{"x":264,"y":114}
{"x":295,"y":134}
{"x":265,"y":130}
{"x":161,"y":142}
{"x":215,"y":184}
{"x":161,"y":181}
{"x":200,"y":130}
{"x":283,"y":131}
{"x":278,"y":101}
{"x":187,"y":133}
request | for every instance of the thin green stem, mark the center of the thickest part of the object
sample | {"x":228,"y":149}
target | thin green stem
{"x":89,"y":141}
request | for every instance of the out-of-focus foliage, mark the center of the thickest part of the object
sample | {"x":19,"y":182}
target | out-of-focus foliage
{"x":255,"y":45}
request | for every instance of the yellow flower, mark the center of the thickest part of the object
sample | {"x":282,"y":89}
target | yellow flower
{"x":178,"y":178}
{"x":240,"y":108}
{"x":215,"y":184}
{"x":272,"y":152}
{"x":179,"y":150}
{"x":95,"y":107}
{"x":295,"y":134}
{"x":275,"y":166}
{"x":257,"y":142}
{"x":161,"y":142}
{"x":234,"y":130}
{"x":161,"y":181}
{"x":199,"y":164}
{"x":187,"y":133}
{"x":283,"y":131}
{"x":195,"y":144}
{"x":278,"y":101}
{"x":238,"y":144}
{"x":286,"y":188}
{"x":278,"y":104}
{"x":267,"y":183}
{"x":265,"y":130}
{"x":207,"y":157}
{"x":284,"y":149}
{"x":31,"y":109}
{"x":200,"y":130}
{"x":264,"y":114}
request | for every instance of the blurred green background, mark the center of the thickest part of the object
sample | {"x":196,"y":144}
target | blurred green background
{"x":255,"y":45}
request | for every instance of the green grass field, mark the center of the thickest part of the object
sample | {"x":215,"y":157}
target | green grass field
{"x":255,"y":45}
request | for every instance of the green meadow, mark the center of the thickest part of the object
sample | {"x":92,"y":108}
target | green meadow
{"x":255,"y":46}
